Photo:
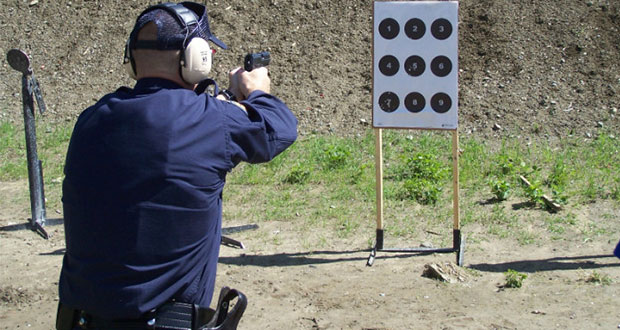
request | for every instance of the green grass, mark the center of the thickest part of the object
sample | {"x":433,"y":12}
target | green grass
{"x":329,"y":182}
{"x":12,"y":153}
{"x":335,"y":178}
{"x":52,"y":142}
{"x":598,"y":278}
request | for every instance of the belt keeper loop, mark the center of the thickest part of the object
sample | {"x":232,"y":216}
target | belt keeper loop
{"x":195,"y":321}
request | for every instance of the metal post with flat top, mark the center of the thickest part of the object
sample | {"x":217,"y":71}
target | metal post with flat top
{"x":19,"y":61}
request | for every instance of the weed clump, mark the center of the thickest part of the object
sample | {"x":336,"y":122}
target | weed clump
{"x":514,"y":279}
{"x":422,"y":176}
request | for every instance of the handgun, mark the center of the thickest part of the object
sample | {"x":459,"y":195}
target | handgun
{"x":256,"y":60}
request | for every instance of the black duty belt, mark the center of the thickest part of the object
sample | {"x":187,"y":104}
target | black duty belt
{"x":172,"y":315}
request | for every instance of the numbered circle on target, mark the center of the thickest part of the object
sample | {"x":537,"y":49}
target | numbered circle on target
{"x":415,"y":65}
{"x":441,"y":29}
{"x":441,"y":102}
{"x":415,"y":28}
{"x":389,"y":102}
{"x":388,"y":65}
{"x":441,"y":66}
{"x":389,"y":28}
{"x":415,"y":102}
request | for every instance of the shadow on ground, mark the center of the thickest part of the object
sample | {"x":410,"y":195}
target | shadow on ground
{"x":551,"y":264}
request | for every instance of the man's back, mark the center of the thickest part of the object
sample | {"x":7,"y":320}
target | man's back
{"x":142,"y":201}
{"x":144,"y":174}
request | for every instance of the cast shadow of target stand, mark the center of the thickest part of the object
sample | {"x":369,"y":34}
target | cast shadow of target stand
{"x":407,"y":67}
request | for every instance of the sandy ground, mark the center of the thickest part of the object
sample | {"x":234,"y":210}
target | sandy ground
{"x":292,"y":287}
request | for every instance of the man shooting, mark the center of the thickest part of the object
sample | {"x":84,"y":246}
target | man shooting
{"x":145,"y":170}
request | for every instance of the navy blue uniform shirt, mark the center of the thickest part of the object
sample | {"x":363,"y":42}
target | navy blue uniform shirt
{"x":142,"y":193}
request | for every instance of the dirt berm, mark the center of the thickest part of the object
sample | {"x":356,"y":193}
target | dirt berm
{"x":527,"y":67}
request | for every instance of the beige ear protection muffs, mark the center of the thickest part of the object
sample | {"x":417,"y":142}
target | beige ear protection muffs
{"x":196,"y":61}
{"x":196,"y":55}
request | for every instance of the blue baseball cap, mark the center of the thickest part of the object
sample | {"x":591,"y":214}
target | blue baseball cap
{"x":176,"y":24}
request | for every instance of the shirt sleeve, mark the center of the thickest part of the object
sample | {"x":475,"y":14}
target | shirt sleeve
{"x":267,"y":129}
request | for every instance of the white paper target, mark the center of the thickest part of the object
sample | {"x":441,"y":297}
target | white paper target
{"x":415,"y":67}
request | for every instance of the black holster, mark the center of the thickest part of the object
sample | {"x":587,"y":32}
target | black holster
{"x":172,"y":315}
{"x":222,"y":318}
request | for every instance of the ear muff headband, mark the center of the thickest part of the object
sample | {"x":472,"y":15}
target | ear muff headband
{"x":128,"y":62}
{"x":196,"y":55}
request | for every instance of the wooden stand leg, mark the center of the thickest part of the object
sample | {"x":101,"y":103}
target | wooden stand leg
{"x":458,"y":239}
{"x":379,"y":185}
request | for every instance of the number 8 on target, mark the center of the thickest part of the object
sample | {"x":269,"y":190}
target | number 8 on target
{"x":415,"y":64}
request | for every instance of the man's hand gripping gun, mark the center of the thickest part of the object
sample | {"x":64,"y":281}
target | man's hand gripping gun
{"x":251,"y":61}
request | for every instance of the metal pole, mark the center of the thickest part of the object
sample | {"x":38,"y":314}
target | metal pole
{"x":30,"y":89}
{"x":35,"y":171}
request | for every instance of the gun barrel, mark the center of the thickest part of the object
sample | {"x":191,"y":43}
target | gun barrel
{"x":256,"y":60}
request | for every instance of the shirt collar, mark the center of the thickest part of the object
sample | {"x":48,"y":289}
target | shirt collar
{"x":155,"y":84}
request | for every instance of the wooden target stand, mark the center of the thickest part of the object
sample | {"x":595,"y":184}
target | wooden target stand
{"x":415,"y":86}
{"x":458,"y":241}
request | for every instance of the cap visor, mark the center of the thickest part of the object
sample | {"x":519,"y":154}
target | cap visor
{"x":218,"y":42}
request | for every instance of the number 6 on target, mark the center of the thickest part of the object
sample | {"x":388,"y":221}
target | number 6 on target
{"x":415,"y":64}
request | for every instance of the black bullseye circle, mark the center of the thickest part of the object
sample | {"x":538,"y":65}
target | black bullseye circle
{"x":388,"y":65}
{"x":441,"y":66}
{"x":441,"y":102}
{"x":389,"y":102}
{"x":415,"y":28}
{"x":389,"y":28}
{"x":415,"y":102}
{"x":441,"y":29}
{"x":415,"y":65}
